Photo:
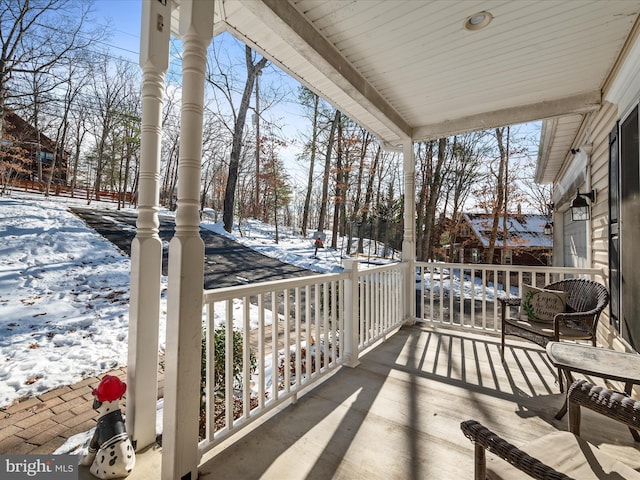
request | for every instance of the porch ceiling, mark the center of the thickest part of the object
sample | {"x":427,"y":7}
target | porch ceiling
{"x":409,"y":68}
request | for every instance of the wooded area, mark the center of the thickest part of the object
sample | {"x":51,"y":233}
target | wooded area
{"x":58,"y":75}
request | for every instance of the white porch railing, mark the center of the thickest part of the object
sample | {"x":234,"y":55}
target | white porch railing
{"x":464,"y":295}
{"x":289,"y":334}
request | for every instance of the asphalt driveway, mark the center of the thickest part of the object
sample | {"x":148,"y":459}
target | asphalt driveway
{"x":226,"y":263}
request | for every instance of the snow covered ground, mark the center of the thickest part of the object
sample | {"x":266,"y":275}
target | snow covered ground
{"x":63,"y":298}
{"x":64,"y":291}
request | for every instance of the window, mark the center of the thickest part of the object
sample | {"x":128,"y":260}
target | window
{"x":475,"y":255}
{"x":507,"y":257}
{"x":46,"y":157}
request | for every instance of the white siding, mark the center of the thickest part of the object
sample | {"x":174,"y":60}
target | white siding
{"x":599,"y":125}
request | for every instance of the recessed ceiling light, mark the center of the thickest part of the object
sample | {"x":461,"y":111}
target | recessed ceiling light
{"x":478,"y":20}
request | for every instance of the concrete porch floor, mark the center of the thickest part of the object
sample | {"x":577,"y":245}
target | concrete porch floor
{"x":397,"y":415}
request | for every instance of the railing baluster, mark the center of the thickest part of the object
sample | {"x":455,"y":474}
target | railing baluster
{"x":472,"y":304}
{"x":307,"y":322}
{"x":287,"y":346}
{"x":246,"y":358}
{"x":368,"y":310}
{"x":484,"y":298}
{"x":319,"y":335}
{"x":329,"y":320}
{"x":298,"y":370}
{"x":441,"y":284}
{"x":495,"y":289}
{"x":210,"y":370}
{"x":451,"y":309}
{"x":228,"y":359}
{"x":340,"y":317}
{"x":275,"y":329}
{"x":461,"y":298}
{"x":261,"y":351}
{"x":361,"y":311}
{"x":431,"y":292}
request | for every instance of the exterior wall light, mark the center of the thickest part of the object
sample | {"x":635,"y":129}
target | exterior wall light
{"x":580,"y":208}
{"x":548,"y":228}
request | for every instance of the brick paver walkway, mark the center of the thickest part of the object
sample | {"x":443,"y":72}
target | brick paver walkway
{"x":39,"y":425}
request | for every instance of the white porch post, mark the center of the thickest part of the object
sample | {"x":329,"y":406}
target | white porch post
{"x":409,"y":237}
{"x":186,"y":259}
{"x":146,"y":248}
{"x":351,"y":317}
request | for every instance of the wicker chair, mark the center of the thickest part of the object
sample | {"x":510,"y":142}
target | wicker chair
{"x":559,"y":455}
{"x":586,"y":300}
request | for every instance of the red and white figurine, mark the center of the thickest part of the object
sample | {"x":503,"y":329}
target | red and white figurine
{"x":110,"y":452}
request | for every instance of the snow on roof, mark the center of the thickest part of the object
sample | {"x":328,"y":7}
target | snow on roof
{"x":524,"y":230}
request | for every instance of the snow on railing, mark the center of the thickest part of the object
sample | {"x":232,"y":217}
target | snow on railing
{"x":464,"y":295}
{"x":287,"y":335}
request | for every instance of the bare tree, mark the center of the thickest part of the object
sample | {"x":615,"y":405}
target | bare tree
{"x":308,"y":98}
{"x":431,"y":165}
{"x":110,"y":93}
{"x":500,"y":193}
{"x":223,"y":83}
{"x":340,"y":187}
{"x":327,"y":172}
{"x":72,"y":76}
{"x":35,"y":35}
{"x":365,"y":212}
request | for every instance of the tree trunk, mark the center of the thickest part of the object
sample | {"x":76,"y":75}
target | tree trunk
{"x":499,"y":198}
{"x":339,"y":196}
{"x":434,"y":194}
{"x":367,"y":199}
{"x":312,"y":161}
{"x":234,"y":161}
{"x":327,"y":171}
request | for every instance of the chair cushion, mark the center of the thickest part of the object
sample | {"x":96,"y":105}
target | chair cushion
{"x":565,"y":453}
{"x":544,"y":328}
{"x":541,"y":305}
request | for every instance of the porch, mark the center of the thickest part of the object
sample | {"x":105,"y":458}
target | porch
{"x":397,"y":414}
{"x":356,"y":59}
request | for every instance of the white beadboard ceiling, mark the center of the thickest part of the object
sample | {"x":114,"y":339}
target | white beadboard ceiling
{"x":409,"y":68}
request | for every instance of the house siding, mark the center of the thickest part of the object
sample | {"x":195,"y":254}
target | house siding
{"x":596,"y":129}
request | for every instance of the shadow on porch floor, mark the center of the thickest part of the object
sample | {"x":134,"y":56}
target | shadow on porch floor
{"x":397,"y":415}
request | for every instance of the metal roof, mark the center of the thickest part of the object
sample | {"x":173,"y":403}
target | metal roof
{"x":524,"y":230}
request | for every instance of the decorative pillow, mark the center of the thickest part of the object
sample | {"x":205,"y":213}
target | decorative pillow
{"x":541,"y":305}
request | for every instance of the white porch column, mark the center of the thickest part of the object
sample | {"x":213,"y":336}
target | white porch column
{"x":186,"y":259}
{"x":351,"y":317}
{"x":146,"y":248}
{"x":409,"y":237}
